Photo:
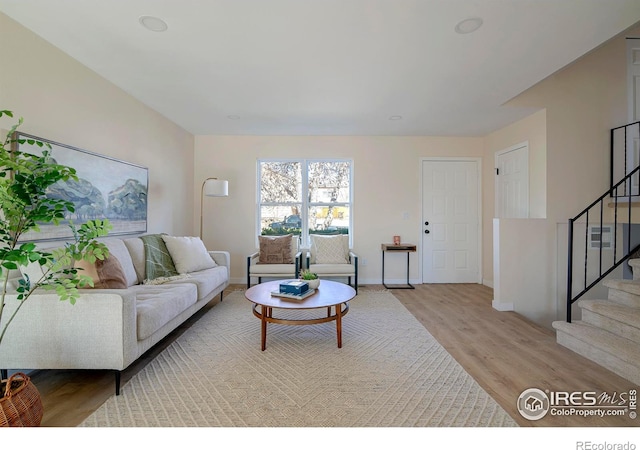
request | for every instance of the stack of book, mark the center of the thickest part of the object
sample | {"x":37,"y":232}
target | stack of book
{"x":293,"y":289}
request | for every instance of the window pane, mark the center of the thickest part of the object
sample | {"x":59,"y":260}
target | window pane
{"x":329,"y":181}
{"x":280,"y":182}
{"x":278,"y":220}
{"x":329,"y":219}
{"x":323,"y":202}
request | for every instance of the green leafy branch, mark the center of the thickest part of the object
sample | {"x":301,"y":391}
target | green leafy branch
{"x":24,"y":183}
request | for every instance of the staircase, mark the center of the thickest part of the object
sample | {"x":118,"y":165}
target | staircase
{"x":609,"y":332}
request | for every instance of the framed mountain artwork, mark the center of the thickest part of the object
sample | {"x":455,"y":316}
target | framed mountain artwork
{"x":106,"y":188}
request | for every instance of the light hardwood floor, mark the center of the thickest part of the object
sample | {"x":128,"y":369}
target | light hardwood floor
{"x":504,"y":353}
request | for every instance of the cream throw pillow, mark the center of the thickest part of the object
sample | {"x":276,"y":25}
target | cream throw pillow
{"x":188,"y":253}
{"x":330,"y":249}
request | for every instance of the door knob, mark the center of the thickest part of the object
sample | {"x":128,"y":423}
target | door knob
{"x":426,"y":223}
{"x":426,"y":231}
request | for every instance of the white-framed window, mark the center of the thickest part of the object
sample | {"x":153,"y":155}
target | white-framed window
{"x":305,"y":196}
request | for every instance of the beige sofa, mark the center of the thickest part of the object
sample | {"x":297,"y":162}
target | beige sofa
{"x":108,"y":328}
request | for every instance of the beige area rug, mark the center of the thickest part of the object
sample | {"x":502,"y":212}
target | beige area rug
{"x":390,"y":372}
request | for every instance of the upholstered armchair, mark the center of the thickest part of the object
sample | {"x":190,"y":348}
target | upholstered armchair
{"x":331,"y":257}
{"x":277,"y":257}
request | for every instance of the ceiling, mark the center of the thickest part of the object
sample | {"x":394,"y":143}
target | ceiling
{"x":327,"y":67}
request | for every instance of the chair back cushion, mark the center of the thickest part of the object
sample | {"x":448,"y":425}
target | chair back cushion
{"x":332,"y":249}
{"x":278,"y":249}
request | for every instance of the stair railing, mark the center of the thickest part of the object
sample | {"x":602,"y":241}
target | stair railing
{"x":624,"y":145}
{"x":620,"y":195}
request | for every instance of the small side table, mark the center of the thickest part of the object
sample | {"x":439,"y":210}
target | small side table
{"x":398,"y":248}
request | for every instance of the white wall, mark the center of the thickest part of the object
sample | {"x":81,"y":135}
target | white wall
{"x":63,"y":101}
{"x":523,"y":278}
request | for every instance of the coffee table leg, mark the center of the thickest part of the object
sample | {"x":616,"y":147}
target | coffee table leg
{"x":339,"y":324}
{"x":263,"y":328}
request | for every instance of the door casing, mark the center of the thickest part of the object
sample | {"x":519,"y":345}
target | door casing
{"x":478,"y":162}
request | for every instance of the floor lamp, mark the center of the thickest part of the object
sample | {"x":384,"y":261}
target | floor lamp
{"x":212,"y":187}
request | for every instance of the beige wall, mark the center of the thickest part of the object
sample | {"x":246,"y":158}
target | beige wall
{"x":582,"y":102}
{"x":386,"y":185}
{"x":533,"y":131}
{"x":64,"y":101}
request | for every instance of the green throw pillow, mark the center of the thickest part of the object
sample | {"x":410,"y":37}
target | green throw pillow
{"x":159,"y":263}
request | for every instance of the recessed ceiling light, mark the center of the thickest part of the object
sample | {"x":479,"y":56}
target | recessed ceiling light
{"x":395,"y":118}
{"x":153,"y":23}
{"x":469,"y":25}
{"x":232,"y":117}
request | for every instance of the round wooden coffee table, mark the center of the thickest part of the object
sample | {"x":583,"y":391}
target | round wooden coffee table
{"x":330,"y":294}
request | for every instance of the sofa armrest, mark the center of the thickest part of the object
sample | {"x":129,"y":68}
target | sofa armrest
{"x":97,"y":332}
{"x":221,"y":258}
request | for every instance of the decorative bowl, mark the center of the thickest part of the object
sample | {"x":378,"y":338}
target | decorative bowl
{"x":313,"y":284}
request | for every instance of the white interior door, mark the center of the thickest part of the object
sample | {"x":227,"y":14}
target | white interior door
{"x":451,"y":221}
{"x":512,"y":182}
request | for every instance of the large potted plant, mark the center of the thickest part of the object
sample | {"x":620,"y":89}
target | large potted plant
{"x":24,"y":206}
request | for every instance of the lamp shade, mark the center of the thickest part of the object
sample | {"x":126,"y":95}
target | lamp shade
{"x":216,"y":188}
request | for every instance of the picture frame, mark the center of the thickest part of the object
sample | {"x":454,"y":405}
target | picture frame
{"x":106,"y":188}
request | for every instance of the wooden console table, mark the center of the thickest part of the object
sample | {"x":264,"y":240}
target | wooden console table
{"x":398,"y":248}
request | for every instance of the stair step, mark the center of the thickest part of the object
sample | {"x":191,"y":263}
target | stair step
{"x":613,"y":352}
{"x":635,"y":264}
{"x":619,"y":319}
{"x":624,"y":292}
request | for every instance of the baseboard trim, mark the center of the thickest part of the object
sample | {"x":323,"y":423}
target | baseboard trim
{"x":361,"y":281}
{"x":501,"y":306}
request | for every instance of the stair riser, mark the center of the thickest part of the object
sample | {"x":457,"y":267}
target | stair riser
{"x":625,"y":369}
{"x":606,"y":323}
{"x":624,"y":298}
{"x":635,"y":269}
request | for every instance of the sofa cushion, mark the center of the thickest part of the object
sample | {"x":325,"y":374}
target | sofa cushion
{"x":157,"y":305}
{"x":332,"y":269}
{"x":188,"y":253}
{"x":119,"y":250}
{"x":136,"y":251}
{"x":275,"y":249}
{"x":33,"y":271}
{"x":263,"y":270}
{"x":106,"y":273}
{"x":206,"y":280}
{"x":330,"y":249}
